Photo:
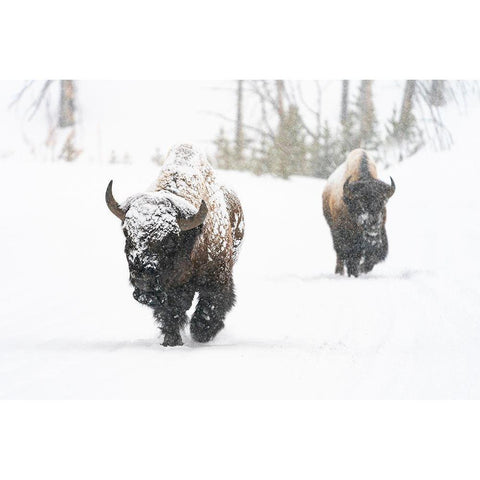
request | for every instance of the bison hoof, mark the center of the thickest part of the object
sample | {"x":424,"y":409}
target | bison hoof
{"x":172,"y":340}
{"x":204,"y":332}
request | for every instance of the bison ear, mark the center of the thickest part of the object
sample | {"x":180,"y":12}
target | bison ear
{"x":194,"y":220}
{"x":347,"y":189}
{"x":113,"y":204}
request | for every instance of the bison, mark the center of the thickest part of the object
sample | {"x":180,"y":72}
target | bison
{"x":183,"y":238}
{"x":354,"y":201}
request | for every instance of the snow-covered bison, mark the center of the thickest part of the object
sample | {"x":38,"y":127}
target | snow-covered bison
{"x":354,"y":201}
{"x":183,"y":238}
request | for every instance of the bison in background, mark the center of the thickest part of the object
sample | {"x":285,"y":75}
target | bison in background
{"x":354,"y":201}
{"x":183,"y":238}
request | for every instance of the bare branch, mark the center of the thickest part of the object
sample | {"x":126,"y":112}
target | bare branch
{"x":263,"y":100}
{"x":19,"y":95}
{"x":232,"y":120}
{"x":316,"y":136}
{"x":319,"y":107}
{"x":36,"y":104}
{"x":304,"y":103}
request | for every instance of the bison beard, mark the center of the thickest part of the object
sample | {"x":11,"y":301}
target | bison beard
{"x":175,"y":249}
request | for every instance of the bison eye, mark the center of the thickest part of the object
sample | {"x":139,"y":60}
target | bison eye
{"x":169,"y":243}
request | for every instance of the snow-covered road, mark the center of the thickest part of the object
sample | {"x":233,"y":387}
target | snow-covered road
{"x":69,"y":327}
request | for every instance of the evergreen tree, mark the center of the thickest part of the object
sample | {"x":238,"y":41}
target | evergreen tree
{"x":347,"y":138}
{"x":403,"y":134}
{"x":330,"y":152}
{"x":258,"y":160}
{"x":364,"y":120}
{"x":289,"y":151}
{"x":314,"y":156}
{"x":225,"y":153}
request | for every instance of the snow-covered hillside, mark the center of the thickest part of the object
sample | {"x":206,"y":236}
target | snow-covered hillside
{"x":69,"y":327}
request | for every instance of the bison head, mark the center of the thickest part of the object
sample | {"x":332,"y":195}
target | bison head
{"x":366,"y":200}
{"x":158,"y":228}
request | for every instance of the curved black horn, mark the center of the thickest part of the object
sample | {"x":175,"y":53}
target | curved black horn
{"x":392,"y":187}
{"x":346,"y":186}
{"x":194,"y":220}
{"x":113,"y":204}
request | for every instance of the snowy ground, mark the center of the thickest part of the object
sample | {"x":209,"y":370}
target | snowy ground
{"x":69,"y":327}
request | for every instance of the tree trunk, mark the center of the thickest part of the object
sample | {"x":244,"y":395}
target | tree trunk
{"x":367,"y":111}
{"x":66,"y":116}
{"x":437,"y":93}
{"x":281,"y":107}
{"x":344,"y":107}
{"x":281,"y":143}
{"x":239,"y":137}
{"x":407,"y":105}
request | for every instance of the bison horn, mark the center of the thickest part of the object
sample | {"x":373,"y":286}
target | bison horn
{"x":392,"y":187}
{"x":194,"y":220}
{"x":346,"y":187}
{"x":113,"y":204}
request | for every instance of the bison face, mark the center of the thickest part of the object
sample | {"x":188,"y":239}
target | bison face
{"x":366,"y":201}
{"x":153,"y":224}
{"x":151,"y":233}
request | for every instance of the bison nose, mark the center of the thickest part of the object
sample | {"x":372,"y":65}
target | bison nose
{"x":139,"y":270}
{"x":142,"y":276}
{"x":140,"y":282}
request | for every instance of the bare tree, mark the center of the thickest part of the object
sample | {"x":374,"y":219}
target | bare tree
{"x":407,"y":106}
{"x":239,"y":136}
{"x":344,"y":105}
{"x":286,"y":134}
{"x":32,"y":109}
{"x":367,"y":112}
{"x":65,"y":119}
{"x":437,"y":93}
{"x":280,"y":96}
{"x":66,"y":114}
{"x":433,"y":126}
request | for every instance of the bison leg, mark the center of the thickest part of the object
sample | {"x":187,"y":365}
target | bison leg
{"x":340,"y":245}
{"x":339,"y":268}
{"x":171,"y":316}
{"x":368,"y":265}
{"x":352,"y":254}
{"x":376,"y":253}
{"x":353,"y":263}
{"x":353,"y":267}
{"x":213,"y":305}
